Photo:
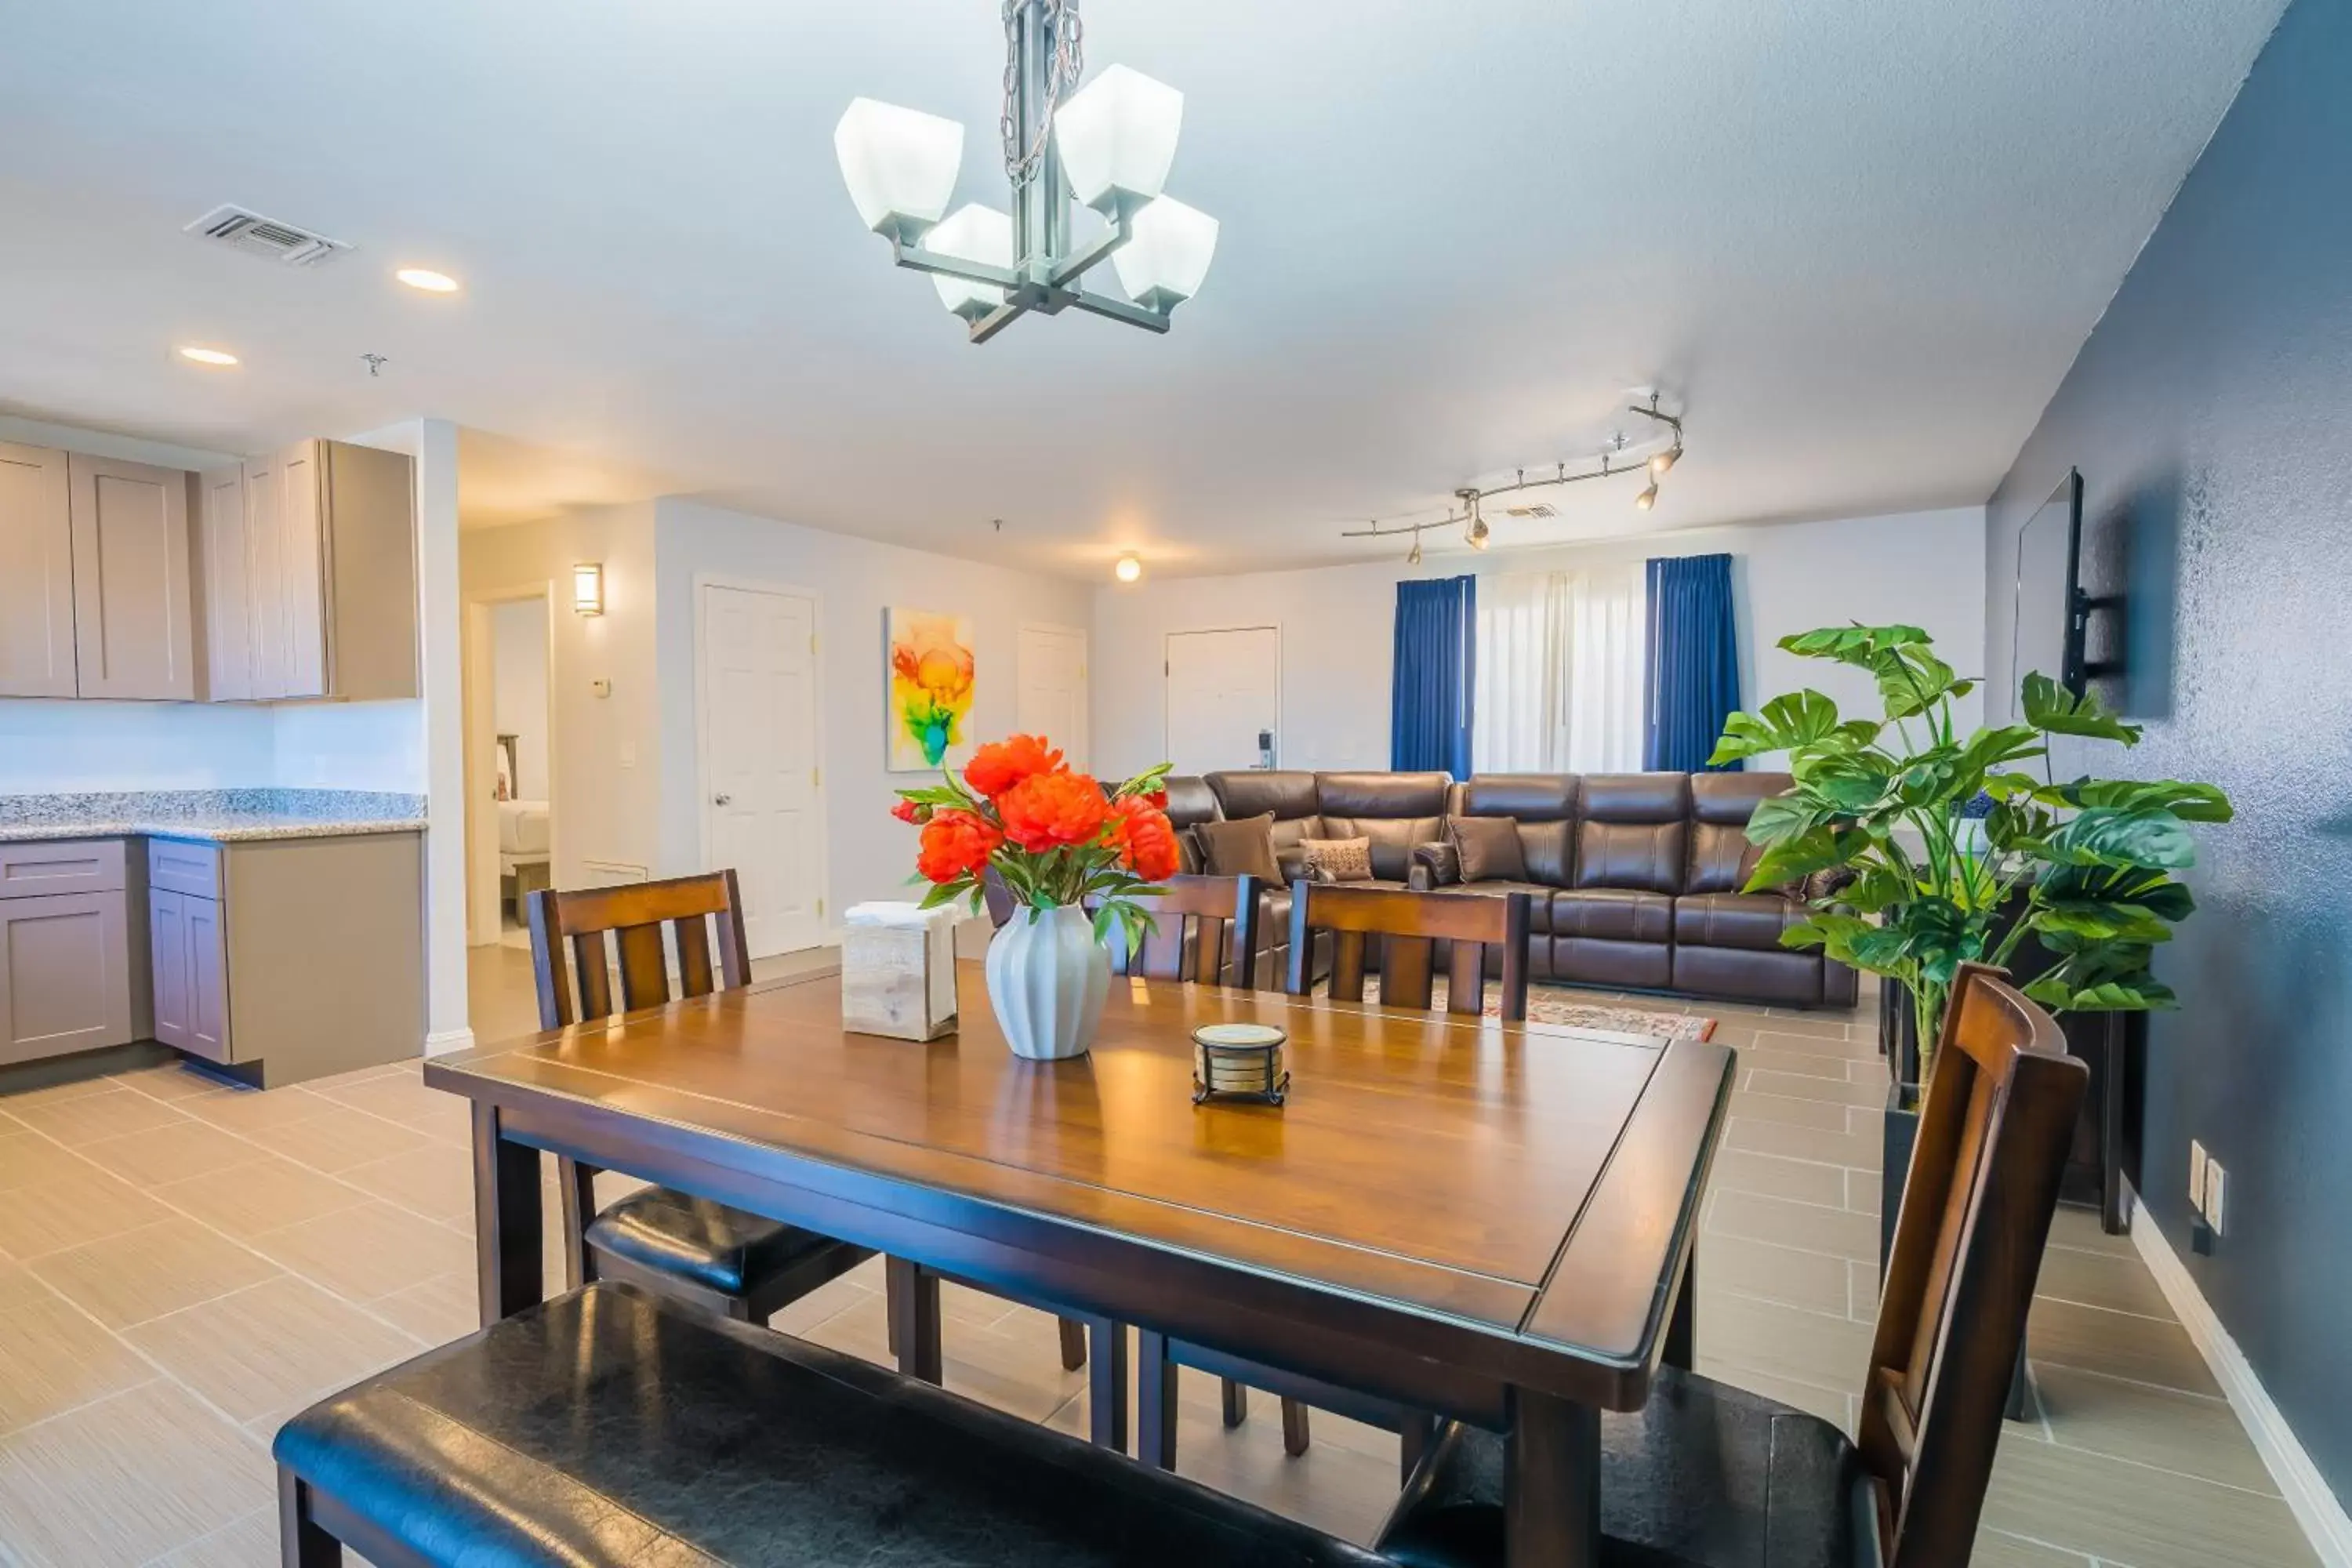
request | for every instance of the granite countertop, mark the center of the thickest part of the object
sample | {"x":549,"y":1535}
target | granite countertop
{"x":215,"y":815}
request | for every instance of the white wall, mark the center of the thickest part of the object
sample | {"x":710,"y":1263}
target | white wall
{"x":1921,"y":568}
{"x":519,"y":689}
{"x":871,"y":856}
{"x":604,"y":798}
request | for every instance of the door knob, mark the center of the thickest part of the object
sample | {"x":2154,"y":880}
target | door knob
{"x":722,"y":800}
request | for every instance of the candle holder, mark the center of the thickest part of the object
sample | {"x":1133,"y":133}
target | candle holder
{"x":1239,"y":1062}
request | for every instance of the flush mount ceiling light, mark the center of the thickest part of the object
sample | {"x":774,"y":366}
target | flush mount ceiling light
{"x":1129,"y":569}
{"x":1111,"y":144}
{"x":207,"y":356}
{"x":426,"y":278}
{"x":1620,"y":456}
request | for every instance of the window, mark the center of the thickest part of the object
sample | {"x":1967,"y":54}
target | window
{"x":1559,"y":671}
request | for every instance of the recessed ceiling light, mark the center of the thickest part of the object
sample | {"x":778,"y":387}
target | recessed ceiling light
{"x":207,"y":356}
{"x":1128,"y":570}
{"x":425,"y":278}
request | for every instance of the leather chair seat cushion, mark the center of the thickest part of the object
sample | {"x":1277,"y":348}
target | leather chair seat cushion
{"x":1618,"y":914}
{"x":609,"y":1428}
{"x":1703,"y":1476}
{"x":693,"y":1239}
{"x":1538,"y":900}
{"x":1750,"y":920}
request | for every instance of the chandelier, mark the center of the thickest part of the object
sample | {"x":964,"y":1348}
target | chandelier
{"x":1620,"y":456}
{"x":1107,"y":145}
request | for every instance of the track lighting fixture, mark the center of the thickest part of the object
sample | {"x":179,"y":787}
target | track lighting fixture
{"x":1620,"y":456}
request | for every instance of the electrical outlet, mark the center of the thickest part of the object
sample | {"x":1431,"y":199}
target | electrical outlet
{"x":2197,"y":1161}
{"x":2216,"y":1190}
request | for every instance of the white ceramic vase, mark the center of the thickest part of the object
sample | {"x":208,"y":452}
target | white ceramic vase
{"x":1047,"y":978}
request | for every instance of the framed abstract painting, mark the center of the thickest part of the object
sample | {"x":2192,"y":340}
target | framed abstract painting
{"x":928,"y":700}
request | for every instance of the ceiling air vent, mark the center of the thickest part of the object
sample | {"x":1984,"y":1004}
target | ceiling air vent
{"x":249,"y":231}
{"x":1533,"y":509}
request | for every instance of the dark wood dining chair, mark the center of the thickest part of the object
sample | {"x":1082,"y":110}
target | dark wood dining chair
{"x":1707,"y":1475}
{"x":736,"y":1264}
{"x":1203,"y":929}
{"x":1409,"y":926}
{"x":1353,"y":915}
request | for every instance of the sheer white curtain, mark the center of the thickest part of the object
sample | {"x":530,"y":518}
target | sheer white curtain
{"x":1559,"y":671}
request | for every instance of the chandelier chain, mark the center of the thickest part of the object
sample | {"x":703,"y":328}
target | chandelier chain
{"x":1062,"y":70}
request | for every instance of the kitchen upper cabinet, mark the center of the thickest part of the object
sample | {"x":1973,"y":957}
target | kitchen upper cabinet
{"x":134,"y":606}
{"x":36,"y":630}
{"x":331,"y":573}
{"x":228,"y":594}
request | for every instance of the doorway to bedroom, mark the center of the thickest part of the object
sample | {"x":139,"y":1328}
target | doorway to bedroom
{"x":510,"y":751}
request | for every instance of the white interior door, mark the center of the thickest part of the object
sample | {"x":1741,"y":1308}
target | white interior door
{"x":1051,"y":673}
{"x":762,"y":814}
{"x":1225,"y":695}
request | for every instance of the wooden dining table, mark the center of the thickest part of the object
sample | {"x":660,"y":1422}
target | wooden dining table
{"x":1484,"y":1222}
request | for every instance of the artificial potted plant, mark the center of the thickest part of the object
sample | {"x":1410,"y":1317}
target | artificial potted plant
{"x":2083,"y":866}
{"x":1075,"y":856}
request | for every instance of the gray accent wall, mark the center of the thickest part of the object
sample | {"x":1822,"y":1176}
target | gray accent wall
{"x":2210,"y":412}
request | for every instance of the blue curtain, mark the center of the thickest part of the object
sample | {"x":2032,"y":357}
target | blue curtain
{"x":1435,"y":673}
{"x":1691,"y":674}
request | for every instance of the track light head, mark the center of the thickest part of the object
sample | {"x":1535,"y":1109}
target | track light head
{"x":1412,"y":557}
{"x":1663,"y":461}
{"x":1479,"y":536}
{"x":1648,"y":498}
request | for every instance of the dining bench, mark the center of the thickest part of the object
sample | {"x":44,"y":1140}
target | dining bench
{"x":610,"y":1425}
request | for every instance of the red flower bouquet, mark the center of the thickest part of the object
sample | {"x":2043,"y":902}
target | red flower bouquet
{"x":1056,"y":837}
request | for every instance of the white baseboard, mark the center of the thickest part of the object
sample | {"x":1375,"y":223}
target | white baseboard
{"x":447,"y":1040}
{"x":2307,"y":1493}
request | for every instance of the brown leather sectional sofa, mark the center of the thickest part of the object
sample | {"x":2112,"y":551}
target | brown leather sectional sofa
{"x":1634,"y":879}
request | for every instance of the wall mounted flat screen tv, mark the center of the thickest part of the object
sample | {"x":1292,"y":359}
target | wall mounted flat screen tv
{"x":2047,"y":632}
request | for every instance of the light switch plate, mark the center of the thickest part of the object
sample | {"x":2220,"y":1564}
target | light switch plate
{"x":2216,"y":1196}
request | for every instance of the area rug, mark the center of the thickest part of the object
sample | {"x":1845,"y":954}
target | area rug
{"x":1561,"y":1005}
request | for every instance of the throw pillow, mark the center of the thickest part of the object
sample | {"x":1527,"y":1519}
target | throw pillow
{"x":1489,"y":849}
{"x":1243,"y":848}
{"x":1338,"y":859}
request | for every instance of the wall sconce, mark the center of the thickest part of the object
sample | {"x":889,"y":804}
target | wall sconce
{"x":588,"y":588}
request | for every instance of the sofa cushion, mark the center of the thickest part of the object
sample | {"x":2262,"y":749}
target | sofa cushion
{"x":1488,"y":847}
{"x":1239,"y":848}
{"x":1382,"y":795}
{"x":1751,"y":921}
{"x":608,"y":1426}
{"x":1250,"y":792}
{"x":1336,"y":859}
{"x":1394,"y":839}
{"x":1191,"y":800}
{"x":1633,"y":833}
{"x":1620,"y":913}
{"x":1538,"y":900}
{"x":1527,"y":797}
{"x":1721,"y":858}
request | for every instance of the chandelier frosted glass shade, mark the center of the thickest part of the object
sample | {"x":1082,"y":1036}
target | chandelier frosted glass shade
{"x":1168,"y":255}
{"x":900,"y":164}
{"x":971,"y":232}
{"x":1117,"y":136}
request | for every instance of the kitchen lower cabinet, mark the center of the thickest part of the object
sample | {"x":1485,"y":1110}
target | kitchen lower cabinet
{"x":69,"y":979}
{"x":283,"y":960}
{"x":191,"y":973}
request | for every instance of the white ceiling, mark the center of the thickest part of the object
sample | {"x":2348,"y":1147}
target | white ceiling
{"x":1862,"y":241}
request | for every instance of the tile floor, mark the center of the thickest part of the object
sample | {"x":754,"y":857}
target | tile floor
{"x":182,"y":1265}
